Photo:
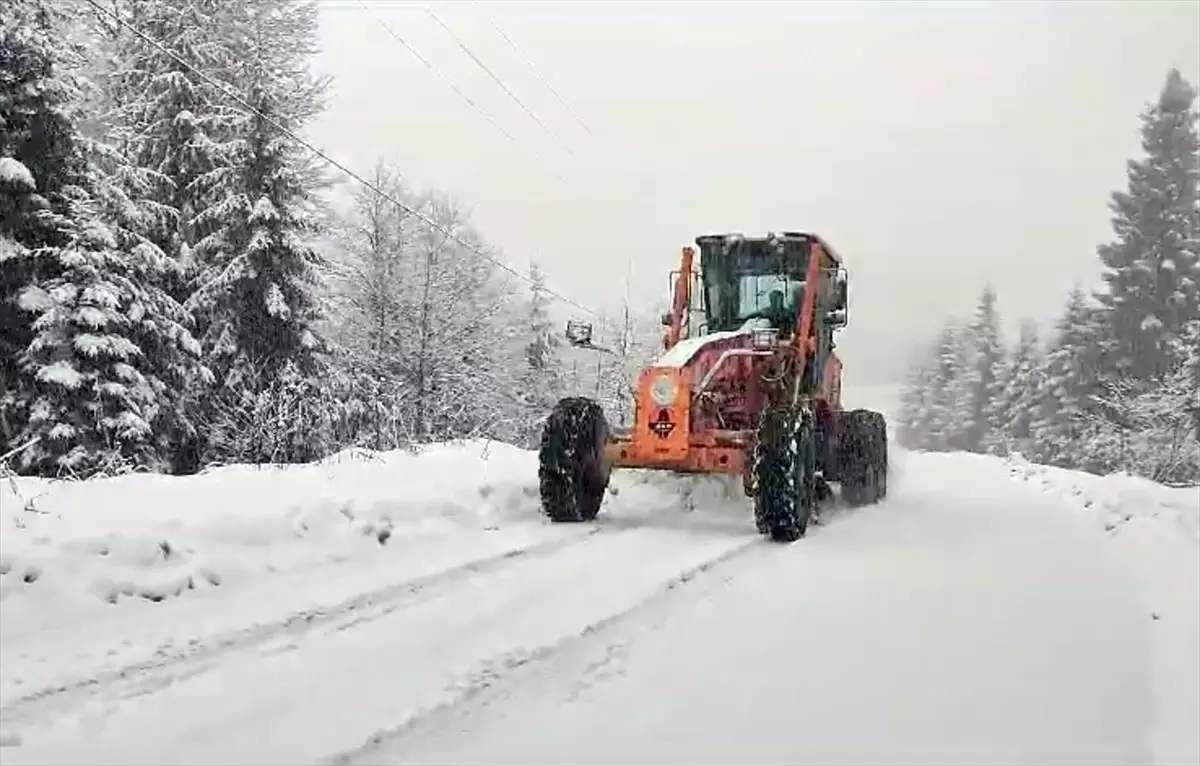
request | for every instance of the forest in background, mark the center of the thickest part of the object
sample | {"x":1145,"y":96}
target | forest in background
{"x":177,"y":292}
{"x":1117,"y":386}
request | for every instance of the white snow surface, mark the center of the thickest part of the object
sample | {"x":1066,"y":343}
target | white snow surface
{"x":415,"y":608}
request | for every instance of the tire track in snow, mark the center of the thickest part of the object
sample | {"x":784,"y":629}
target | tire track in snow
{"x":501,"y":670}
{"x":167,"y":668}
{"x":575,"y":662}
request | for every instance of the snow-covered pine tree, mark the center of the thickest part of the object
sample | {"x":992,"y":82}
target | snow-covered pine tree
{"x":257,"y":269}
{"x":913,"y":428}
{"x":1014,"y":406}
{"x":135,"y":108}
{"x":158,"y":323}
{"x":979,"y":386}
{"x":945,"y":425}
{"x":1064,"y":420}
{"x":35,"y":97}
{"x":165,"y":117}
{"x":102,"y":345}
{"x":18,"y":203}
{"x":1152,"y":268}
{"x":542,"y":374}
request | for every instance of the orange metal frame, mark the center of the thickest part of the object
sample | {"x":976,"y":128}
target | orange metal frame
{"x":662,"y":437}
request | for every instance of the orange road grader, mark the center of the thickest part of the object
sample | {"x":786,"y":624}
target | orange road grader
{"x":748,"y":384}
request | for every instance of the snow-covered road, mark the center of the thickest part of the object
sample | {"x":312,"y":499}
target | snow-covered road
{"x":982,"y":614}
{"x":937,"y":628}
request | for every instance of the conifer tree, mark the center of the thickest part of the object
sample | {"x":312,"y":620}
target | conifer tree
{"x":257,"y":269}
{"x":1014,"y":406}
{"x":1152,"y":268}
{"x":980,"y":385}
{"x":97,"y":346}
{"x":1064,"y":418}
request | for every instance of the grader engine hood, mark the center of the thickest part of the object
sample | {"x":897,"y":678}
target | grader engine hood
{"x":665,"y":390}
{"x":685,"y":352}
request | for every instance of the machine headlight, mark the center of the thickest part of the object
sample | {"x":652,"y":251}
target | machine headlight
{"x":662,"y":390}
{"x":762,"y":338}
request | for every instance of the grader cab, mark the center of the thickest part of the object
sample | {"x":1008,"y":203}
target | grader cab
{"x":748,"y":384}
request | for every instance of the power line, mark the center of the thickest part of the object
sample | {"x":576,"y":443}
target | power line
{"x":232,"y":95}
{"x":429,"y":65}
{"x":446,"y":81}
{"x":536,"y":73}
{"x":495,"y":79}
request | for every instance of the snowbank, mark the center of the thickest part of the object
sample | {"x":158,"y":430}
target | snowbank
{"x":79,"y":544}
{"x":1119,"y":500}
{"x":104,"y":551}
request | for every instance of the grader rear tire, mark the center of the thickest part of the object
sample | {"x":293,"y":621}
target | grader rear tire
{"x":785,"y":462}
{"x":862,"y":457}
{"x":572,"y":471}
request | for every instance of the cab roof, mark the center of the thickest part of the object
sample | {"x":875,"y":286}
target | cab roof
{"x":771,"y":236}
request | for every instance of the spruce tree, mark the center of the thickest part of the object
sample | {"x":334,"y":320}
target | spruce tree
{"x":257,"y":270}
{"x":98,"y":347}
{"x":38,"y":162}
{"x":1065,"y":416}
{"x":165,"y":117}
{"x":1152,"y":268}
{"x":916,"y":406}
{"x":980,"y":384}
{"x":945,"y":426}
{"x":1013,"y":411}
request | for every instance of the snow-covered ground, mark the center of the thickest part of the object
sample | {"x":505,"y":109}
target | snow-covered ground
{"x":415,"y":608}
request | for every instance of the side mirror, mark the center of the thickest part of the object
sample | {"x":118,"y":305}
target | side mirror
{"x":579,"y":333}
{"x":837,"y":316}
{"x":666,"y":319}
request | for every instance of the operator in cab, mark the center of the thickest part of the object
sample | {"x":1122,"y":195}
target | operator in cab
{"x":779,"y":314}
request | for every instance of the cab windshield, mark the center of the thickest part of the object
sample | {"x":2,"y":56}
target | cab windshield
{"x":771,"y":296}
{"x":747,"y":279}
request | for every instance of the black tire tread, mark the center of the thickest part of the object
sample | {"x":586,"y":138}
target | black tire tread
{"x":572,"y":475}
{"x":862,"y":456}
{"x":784,"y":473}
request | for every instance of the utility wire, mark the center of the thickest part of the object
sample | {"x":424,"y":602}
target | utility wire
{"x":446,"y":81}
{"x":495,"y":79}
{"x":233,"y":96}
{"x":536,"y":73}
{"x":429,"y":65}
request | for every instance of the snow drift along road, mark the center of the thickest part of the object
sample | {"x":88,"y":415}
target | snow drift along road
{"x":375,"y":608}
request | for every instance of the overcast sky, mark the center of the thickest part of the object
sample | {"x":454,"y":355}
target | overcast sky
{"x":936,"y":145}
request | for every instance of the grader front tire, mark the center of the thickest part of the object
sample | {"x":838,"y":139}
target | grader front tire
{"x":572,"y":472}
{"x":785,"y":463}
